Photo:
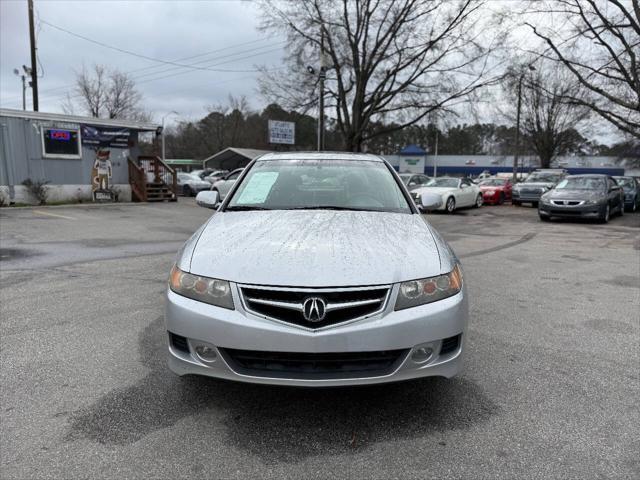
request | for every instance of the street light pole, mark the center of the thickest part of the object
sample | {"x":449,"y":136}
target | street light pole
{"x":172,"y":112}
{"x":517,"y":145}
{"x":24,"y":87}
{"x":34,"y":68}
{"x":321,"y":78}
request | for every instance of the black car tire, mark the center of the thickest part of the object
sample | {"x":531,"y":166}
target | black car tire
{"x":450,"y":206}
{"x":534,"y":204}
{"x":634,"y":204}
{"x":501,"y":199}
{"x":605,"y":215}
{"x":544,"y":218}
{"x":621,"y":209}
{"x":186,"y":191}
{"x":517,"y":203}
{"x":479,"y":201}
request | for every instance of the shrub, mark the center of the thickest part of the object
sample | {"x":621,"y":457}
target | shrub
{"x":38,"y":189}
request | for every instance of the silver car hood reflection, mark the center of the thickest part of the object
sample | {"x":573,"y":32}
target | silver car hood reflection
{"x":320,"y":248}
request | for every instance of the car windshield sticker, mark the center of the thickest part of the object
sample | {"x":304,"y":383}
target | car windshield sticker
{"x":258,"y":188}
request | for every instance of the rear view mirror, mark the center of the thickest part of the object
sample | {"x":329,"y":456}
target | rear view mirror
{"x":207,"y":199}
{"x":430,"y":201}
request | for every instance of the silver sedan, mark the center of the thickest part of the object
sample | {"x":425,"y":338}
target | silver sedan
{"x":317,"y":270}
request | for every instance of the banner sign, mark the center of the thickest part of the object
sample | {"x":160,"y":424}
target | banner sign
{"x":111,"y":137}
{"x":282,"y":132}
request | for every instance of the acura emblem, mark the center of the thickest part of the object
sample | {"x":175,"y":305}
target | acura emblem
{"x":314,"y":309}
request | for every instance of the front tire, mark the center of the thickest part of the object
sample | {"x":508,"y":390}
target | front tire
{"x":544,"y":218}
{"x":517,"y":203}
{"x":606,"y":214}
{"x":450,"y":206}
{"x":501,"y":199}
{"x":479,"y":201}
{"x":186,"y":191}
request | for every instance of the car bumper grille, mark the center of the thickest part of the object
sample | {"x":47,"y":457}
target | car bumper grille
{"x":313,"y":365}
{"x":340,"y":305}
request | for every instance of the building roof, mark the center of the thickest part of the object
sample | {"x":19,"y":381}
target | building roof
{"x":183,"y":161}
{"x":232,"y":158}
{"x":59,"y":117}
{"x":412,"y":150}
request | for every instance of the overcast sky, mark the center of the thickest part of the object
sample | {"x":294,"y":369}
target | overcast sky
{"x":219,"y":35}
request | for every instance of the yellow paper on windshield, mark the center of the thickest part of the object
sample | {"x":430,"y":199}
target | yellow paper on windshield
{"x":258,"y":188}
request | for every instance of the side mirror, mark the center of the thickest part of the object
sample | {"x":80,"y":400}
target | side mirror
{"x":207,"y":199}
{"x":430,"y":201}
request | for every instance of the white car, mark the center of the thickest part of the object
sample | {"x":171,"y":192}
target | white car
{"x":190,"y":184}
{"x":455,"y":192}
{"x":223,"y":185}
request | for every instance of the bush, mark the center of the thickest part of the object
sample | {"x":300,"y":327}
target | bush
{"x":38,"y":189}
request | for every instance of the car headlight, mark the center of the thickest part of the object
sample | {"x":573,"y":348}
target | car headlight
{"x":591,"y":202}
{"x":208,"y":290}
{"x":427,"y":290}
{"x":490,"y":192}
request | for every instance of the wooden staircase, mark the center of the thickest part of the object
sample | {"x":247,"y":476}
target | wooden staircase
{"x":152,"y":180}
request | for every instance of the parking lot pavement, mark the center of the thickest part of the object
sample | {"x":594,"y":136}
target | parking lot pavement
{"x":550,"y":389}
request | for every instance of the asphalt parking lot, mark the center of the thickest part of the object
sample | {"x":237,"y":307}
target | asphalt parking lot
{"x":551,"y":387}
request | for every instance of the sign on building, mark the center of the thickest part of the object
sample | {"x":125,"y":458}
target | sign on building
{"x":282,"y":132}
{"x":411,"y":164}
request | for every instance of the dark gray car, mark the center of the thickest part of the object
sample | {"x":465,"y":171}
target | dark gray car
{"x":631,"y":189}
{"x":535,"y":185}
{"x":583,"y":196}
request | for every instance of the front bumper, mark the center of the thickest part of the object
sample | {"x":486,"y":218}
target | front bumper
{"x":227,"y":330}
{"x":525,"y":195}
{"x":569,"y":211}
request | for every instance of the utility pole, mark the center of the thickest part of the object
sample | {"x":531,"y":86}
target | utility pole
{"x":24,"y":86}
{"x":34,"y":70}
{"x":517,"y":145}
{"x":322,"y":76}
{"x":435,"y":156}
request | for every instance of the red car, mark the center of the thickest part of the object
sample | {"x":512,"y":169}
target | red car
{"x":496,"y":190}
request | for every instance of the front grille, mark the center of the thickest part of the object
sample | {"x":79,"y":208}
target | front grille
{"x":571,"y":203}
{"x":340,"y":305}
{"x":179,"y":343}
{"x":449,"y":345}
{"x":531,"y":191}
{"x":312,"y":366}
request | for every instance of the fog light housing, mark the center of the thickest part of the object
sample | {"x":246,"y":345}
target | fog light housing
{"x":422,"y":353}
{"x":206,"y":353}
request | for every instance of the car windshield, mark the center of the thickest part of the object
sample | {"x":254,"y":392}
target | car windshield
{"x":493,"y":182}
{"x":319,"y":184}
{"x":542,"y":177}
{"x":627,"y":183}
{"x":443,"y":182}
{"x":581,"y":183}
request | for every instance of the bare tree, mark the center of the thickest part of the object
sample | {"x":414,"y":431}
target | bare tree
{"x":104,"y":93}
{"x":600,"y":49}
{"x":390,"y":63}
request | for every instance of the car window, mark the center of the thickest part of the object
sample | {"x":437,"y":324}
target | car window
{"x":320,"y":184}
{"x":493,"y":182}
{"x":543,"y":177}
{"x":444,"y":182}
{"x":581,"y":183}
{"x":611,"y":183}
{"x":423,"y":179}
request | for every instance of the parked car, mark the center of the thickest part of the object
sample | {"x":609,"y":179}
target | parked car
{"x":496,"y":190}
{"x":537,"y":183}
{"x":223,"y":185}
{"x":298,"y":279}
{"x":190,"y":184}
{"x":583,"y":196}
{"x":414,"y":180}
{"x":631,"y":189}
{"x":216,"y":175}
{"x":455,"y":193}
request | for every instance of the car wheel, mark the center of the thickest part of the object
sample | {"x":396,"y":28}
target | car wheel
{"x":451,"y":205}
{"x":517,"y":203}
{"x":634,"y":205}
{"x":186,"y":191}
{"x":479,"y":201}
{"x":534,"y":204}
{"x":501,"y":199}
{"x":544,"y":218}
{"x":621,"y":212}
{"x":604,"y":218}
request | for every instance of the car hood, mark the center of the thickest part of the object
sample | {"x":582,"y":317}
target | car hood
{"x":316,"y":248}
{"x":535,"y":185}
{"x":575,"y":195}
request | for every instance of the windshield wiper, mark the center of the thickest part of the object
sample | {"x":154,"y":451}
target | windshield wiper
{"x":333,"y":207}
{"x":244,"y":208}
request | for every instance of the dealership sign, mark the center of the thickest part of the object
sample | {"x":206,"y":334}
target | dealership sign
{"x":112,"y":137}
{"x":282,"y":132}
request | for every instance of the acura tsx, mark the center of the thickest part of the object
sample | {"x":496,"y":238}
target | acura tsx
{"x":317,"y":269}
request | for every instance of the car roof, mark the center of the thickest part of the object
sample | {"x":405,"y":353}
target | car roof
{"x":319,"y":156}
{"x":589,"y":175}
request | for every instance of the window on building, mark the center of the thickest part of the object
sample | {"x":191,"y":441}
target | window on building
{"x":60,"y":142}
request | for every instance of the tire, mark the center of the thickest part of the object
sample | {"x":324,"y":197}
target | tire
{"x":534,"y":204}
{"x":634,"y":205}
{"x":621,"y":212}
{"x":517,"y":203}
{"x":606,"y":214}
{"x":544,"y":218}
{"x":450,"y":206}
{"x":479,"y":201}
{"x":186,"y":191}
{"x":501,"y":199}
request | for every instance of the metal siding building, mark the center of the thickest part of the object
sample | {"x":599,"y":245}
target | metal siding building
{"x":22,"y":154}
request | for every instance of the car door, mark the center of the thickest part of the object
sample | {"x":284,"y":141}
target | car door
{"x":508,"y":188}
{"x":467,"y":192}
{"x":614,"y":194}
